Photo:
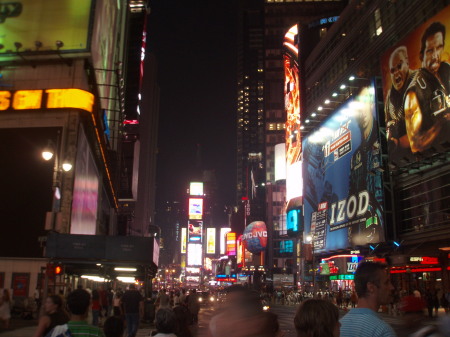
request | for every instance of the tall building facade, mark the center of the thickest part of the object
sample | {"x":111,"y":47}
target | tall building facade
{"x":66,"y":77}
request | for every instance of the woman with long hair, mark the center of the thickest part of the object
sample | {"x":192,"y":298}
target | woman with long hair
{"x":54,"y":314}
{"x":317,"y":318}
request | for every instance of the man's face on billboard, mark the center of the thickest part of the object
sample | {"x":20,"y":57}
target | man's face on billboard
{"x":434,"y":46}
{"x":399,"y":67}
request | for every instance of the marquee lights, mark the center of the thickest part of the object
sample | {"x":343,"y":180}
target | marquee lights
{"x":46,"y":99}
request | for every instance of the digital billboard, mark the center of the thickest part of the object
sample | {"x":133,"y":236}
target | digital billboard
{"x":194,"y":254}
{"x":195,"y":208}
{"x":230,"y":249}
{"x":183,"y":240}
{"x":416,"y":85}
{"x":36,"y":25}
{"x":292,"y":99}
{"x":85,"y":190}
{"x":343,"y":200}
{"x":195,"y":229}
{"x":255,"y":237}
{"x":210,"y":241}
{"x":223,"y":232}
{"x":294,"y":221}
{"x":280,"y":162}
{"x":196,"y":188}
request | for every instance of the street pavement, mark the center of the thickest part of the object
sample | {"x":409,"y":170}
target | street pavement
{"x":22,"y":328}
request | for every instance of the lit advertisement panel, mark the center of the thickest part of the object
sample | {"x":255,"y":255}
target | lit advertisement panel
{"x":196,"y":188}
{"x":223,"y":232}
{"x":195,"y":208}
{"x":231,"y":244}
{"x":293,"y":114}
{"x":293,"y":221}
{"x":343,"y":201}
{"x":194,"y":254}
{"x":183,"y":240}
{"x":46,"y":21}
{"x":280,"y":162}
{"x":416,"y":102}
{"x":210,"y":241}
{"x":195,"y":229}
{"x":85,"y":190}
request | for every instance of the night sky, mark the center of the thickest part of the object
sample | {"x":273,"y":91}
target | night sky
{"x":195,"y":44}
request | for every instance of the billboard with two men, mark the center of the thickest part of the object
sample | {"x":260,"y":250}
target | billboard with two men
{"x":416,"y":82}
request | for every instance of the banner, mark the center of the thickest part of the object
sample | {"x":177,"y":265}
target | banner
{"x":343,"y":201}
{"x":416,"y":84}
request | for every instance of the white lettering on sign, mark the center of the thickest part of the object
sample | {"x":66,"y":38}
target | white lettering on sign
{"x":351,"y":267}
{"x":247,"y":236}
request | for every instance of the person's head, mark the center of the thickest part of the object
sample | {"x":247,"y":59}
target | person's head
{"x":399,"y":67}
{"x":78,"y":302}
{"x":372,"y":282}
{"x":113,"y":327}
{"x":166,"y":321}
{"x":53,"y":303}
{"x":5,"y":295}
{"x":317,"y":318}
{"x":432,"y":47}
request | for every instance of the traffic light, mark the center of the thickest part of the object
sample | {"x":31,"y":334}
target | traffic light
{"x":58,"y":269}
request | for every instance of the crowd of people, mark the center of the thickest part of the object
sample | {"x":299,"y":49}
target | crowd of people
{"x":118,"y":313}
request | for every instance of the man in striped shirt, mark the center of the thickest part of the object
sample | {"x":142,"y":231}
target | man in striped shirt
{"x":373,"y":287}
{"x":78,"y":302}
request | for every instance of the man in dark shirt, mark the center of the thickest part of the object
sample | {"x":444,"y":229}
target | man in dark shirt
{"x":133,"y":304}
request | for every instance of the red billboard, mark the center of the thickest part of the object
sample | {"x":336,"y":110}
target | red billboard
{"x":416,"y":84}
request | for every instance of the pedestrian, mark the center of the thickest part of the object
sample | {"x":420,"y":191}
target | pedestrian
{"x":243,"y":316}
{"x":317,"y":318}
{"x":5,"y":308}
{"x":183,"y":320}
{"x":374,"y":288}
{"x":162,"y":300}
{"x":96,"y":307}
{"x":183,"y":297}
{"x":113,"y":327}
{"x":193,"y":305}
{"x":354,"y":299}
{"x":117,"y":306}
{"x":78,"y":302}
{"x":165,"y":323}
{"x":54,"y":314}
{"x":133,"y":305}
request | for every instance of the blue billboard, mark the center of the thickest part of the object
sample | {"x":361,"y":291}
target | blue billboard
{"x":343,"y":190}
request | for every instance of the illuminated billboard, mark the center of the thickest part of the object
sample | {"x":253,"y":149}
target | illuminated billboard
{"x":230,"y":249}
{"x":292,"y":99}
{"x":183,"y":240}
{"x":223,"y":232}
{"x":195,"y":229}
{"x":343,"y":201}
{"x":416,"y":88}
{"x":210,"y":241}
{"x":255,"y":237}
{"x":280,"y":162}
{"x":36,"y":25}
{"x":196,"y":188}
{"x":194,"y":254}
{"x":294,"y":221}
{"x":85,"y":190}
{"x":195,"y":208}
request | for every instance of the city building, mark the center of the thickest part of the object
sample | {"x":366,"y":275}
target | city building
{"x":69,"y":78}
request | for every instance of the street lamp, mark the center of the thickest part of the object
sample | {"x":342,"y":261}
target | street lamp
{"x":310,"y":240}
{"x":53,"y":151}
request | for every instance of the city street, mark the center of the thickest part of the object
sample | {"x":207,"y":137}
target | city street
{"x":26,"y":328}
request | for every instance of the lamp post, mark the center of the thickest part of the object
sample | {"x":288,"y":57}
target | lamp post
{"x":310,"y":239}
{"x":53,"y":150}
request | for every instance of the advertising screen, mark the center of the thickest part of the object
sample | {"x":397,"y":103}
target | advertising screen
{"x":194,"y":254}
{"x":293,"y":221}
{"x":223,"y":232}
{"x":343,"y":201}
{"x":231,"y":244}
{"x":196,"y":188}
{"x":85,"y":190}
{"x":210,"y":241}
{"x":195,"y":229}
{"x":416,"y":85}
{"x":280,"y":162}
{"x":183,"y":240}
{"x":45,"y":21}
{"x":292,"y":107}
{"x":195,"y":208}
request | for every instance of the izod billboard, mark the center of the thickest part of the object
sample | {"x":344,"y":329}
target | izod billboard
{"x":344,"y":201}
